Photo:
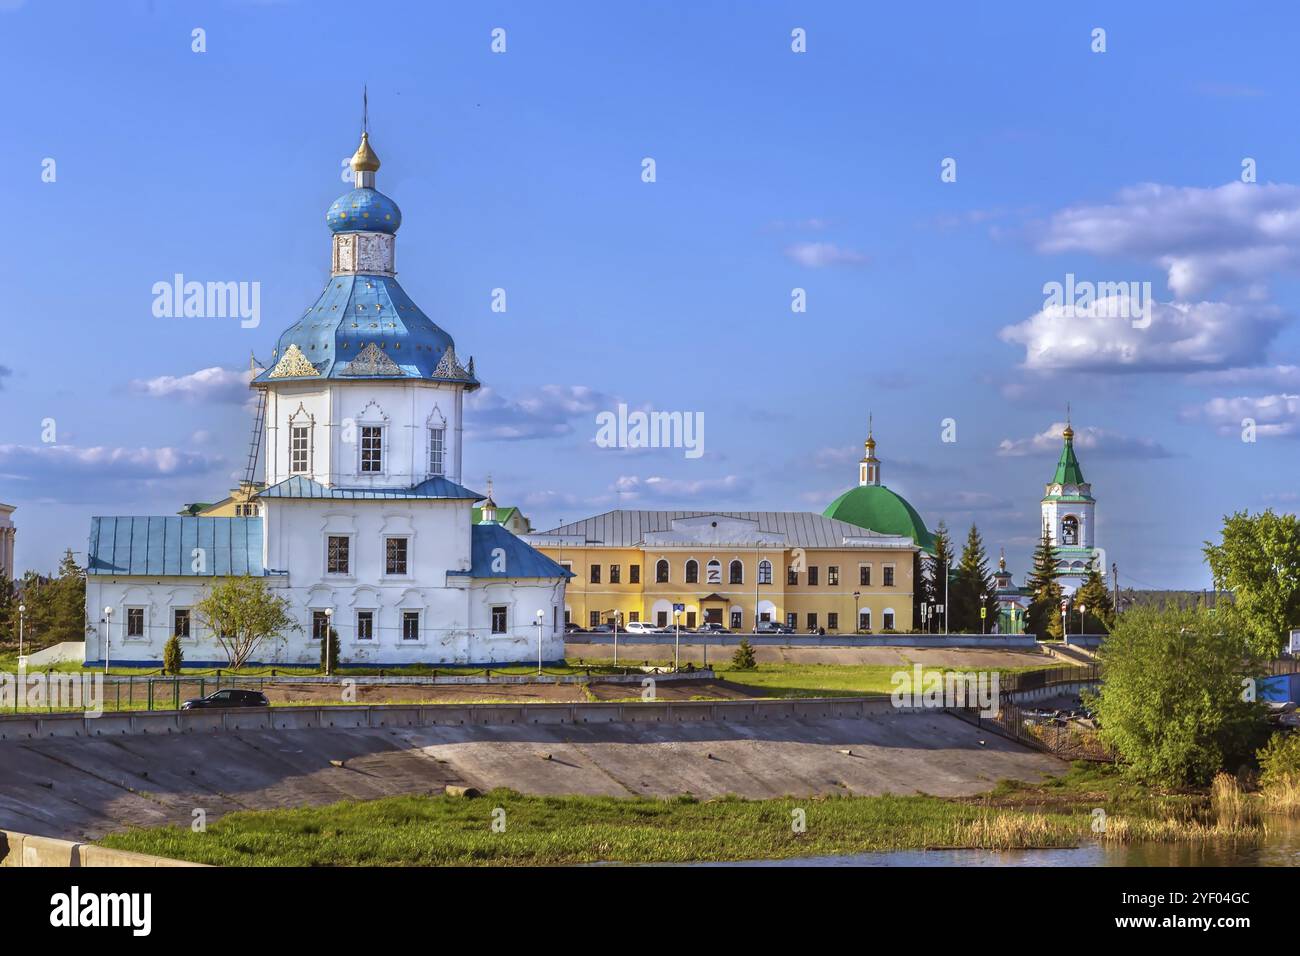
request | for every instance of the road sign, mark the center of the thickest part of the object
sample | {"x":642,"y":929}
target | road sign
{"x":984,"y":612}
{"x":679,"y":608}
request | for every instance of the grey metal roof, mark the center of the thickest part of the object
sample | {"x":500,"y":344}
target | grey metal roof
{"x":302,"y":487}
{"x":168,"y":545}
{"x":795,"y":529}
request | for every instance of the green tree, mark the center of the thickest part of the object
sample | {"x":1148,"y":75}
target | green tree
{"x":332,"y":666}
{"x":67,"y":602}
{"x":940,"y":564}
{"x":1258,"y":560}
{"x":743,"y":659}
{"x":242,"y":613}
{"x":1043,"y":618}
{"x":1176,"y":701}
{"x":173,"y":656}
{"x":972,"y":580}
{"x":1099,"y":615}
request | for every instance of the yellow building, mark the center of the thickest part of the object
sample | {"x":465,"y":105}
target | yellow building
{"x":734,"y":569}
{"x":240,"y":504}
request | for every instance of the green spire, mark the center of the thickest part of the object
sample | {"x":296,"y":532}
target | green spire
{"x":1068,"y":471}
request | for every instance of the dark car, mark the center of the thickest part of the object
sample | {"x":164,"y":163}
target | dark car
{"x":773,"y":627}
{"x":711,"y":629}
{"x":572,"y":628}
{"x":601,"y":629}
{"x":229,"y":697}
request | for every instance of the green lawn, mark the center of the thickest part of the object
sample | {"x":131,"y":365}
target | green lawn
{"x":439,"y":830}
{"x":831,"y":680}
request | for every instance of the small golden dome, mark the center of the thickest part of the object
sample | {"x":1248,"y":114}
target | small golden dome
{"x":1068,"y":434}
{"x":364,"y":159}
{"x":870,"y":443}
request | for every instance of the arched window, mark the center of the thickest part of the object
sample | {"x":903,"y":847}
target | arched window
{"x":692,"y":571}
{"x":737,"y":572}
{"x":1069,"y":530}
{"x":661,"y":571}
{"x":765,"y":571}
{"x":714,"y":570}
{"x":887,"y":619}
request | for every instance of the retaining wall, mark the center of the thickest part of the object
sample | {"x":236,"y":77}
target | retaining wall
{"x":991,"y":641}
{"x":25,"y":849}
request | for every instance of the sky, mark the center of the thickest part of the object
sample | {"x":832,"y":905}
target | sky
{"x":1167,"y":158}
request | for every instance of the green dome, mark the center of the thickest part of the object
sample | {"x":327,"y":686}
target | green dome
{"x":876,"y":508}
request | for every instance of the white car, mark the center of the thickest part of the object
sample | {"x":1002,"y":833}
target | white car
{"x":640,"y":627}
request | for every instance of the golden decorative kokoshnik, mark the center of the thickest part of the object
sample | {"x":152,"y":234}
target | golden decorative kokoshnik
{"x":293,"y":364}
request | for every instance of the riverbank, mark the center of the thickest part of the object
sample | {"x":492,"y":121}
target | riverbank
{"x":569,"y":830}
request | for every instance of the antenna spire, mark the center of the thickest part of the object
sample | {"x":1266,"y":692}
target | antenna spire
{"x":365,"y":109}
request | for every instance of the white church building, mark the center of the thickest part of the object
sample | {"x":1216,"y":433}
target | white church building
{"x":1068,"y":509}
{"x":362,"y":520}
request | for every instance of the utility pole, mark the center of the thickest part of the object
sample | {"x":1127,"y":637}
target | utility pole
{"x":1114,"y":577}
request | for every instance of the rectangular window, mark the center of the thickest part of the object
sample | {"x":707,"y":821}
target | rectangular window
{"x":791,"y":577}
{"x":634,"y":574}
{"x":661,"y":619}
{"x":888,"y":619}
{"x":593,"y":619}
{"x":833,"y":621}
{"x":736,"y":618}
{"x":336,"y":555}
{"x":864,"y":575}
{"x":690,"y":619}
{"x":812,"y":576}
{"x":135,"y":622}
{"x":791,"y":619}
{"x":833,"y":575}
{"x":299,"y":449}
{"x":181,"y":622}
{"x":320,"y":621}
{"x":372,"y":449}
{"x":365,"y":625}
{"x":615,"y":574}
{"x":595,"y":574}
{"x":395,"y":556}
{"x":437,"y":439}
{"x":410,"y":625}
{"x":498,"y":619}
{"x":888,"y":575}
{"x":633,"y":617}
{"x":812,"y":621}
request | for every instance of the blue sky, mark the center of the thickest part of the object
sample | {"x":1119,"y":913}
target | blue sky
{"x":775,"y":171}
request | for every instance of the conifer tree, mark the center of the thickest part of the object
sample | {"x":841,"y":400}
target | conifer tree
{"x":972,"y":581}
{"x":1043,"y":618}
{"x":1093,"y":595}
{"x":941,"y":564}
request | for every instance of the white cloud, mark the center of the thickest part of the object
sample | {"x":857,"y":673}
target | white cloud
{"x":1201,"y":237}
{"x":1275,"y":416}
{"x":819,"y":255}
{"x":229,"y":386}
{"x":1181,"y":336}
{"x":632,"y":488}
{"x":54,"y":462}
{"x":1098,"y":441}
{"x":1265,"y":376}
{"x":544,"y":412}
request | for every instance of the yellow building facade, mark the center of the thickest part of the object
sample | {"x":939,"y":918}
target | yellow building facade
{"x":735,"y":569}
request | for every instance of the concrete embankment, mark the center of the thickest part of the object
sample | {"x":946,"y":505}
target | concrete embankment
{"x":26,"y":849}
{"x":78,"y":778}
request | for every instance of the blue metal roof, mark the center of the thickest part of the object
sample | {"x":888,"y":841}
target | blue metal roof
{"x":363,"y":210}
{"x":302,"y":487}
{"x":166,"y":546}
{"x":521,"y":559}
{"x":367,"y":327}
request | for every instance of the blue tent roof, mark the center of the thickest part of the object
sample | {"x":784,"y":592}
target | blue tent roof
{"x":301,"y":487}
{"x":166,"y":546}
{"x":521,"y":560}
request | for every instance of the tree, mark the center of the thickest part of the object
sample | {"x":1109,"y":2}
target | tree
{"x":333,"y":644}
{"x":1043,"y":618}
{"x":67,"y":602}
{"x":941,"y":564}
{"x":1259,"y":562}
{"x":743,"y":659}
{"x":1177,"y":702}
{"x":173,"y":656}
{"x":1099,"y":616}
{"x":242,"y":613}
{"x":972,"y":580}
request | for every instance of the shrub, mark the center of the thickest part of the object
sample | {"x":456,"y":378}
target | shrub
{"x":173,"y":656}
{"x":744,"y":659}
{"x":333,"y":645}
{"x":1279,"y":779}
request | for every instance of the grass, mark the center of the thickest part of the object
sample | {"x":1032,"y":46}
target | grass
{"x":832,"y":680}
{"x":439,"y":830}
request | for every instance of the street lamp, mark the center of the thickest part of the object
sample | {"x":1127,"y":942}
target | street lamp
{"x":540,"y":615}
{"x":617,"y":616}
{"x":22,"y":610}
{"x":108,"y":636}
{"x":677,"y":642}
{"x":984,"y":612}
{"x":857,"y":616}
{"x":1082,"y":624}
{"x":325,"y":638}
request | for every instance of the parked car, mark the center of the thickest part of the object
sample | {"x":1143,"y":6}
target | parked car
{"x":228,"y":697}
{"x":773,"y":627}
{"x":711,"y":629}
{"x":601,"y":629}
{"x":573,"y":628}
{"x":640,"y":627}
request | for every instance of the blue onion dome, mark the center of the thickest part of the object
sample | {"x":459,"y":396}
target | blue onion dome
{"x":363,"y":210}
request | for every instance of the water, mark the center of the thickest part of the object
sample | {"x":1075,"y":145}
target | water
{"x":1280,"y":848}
